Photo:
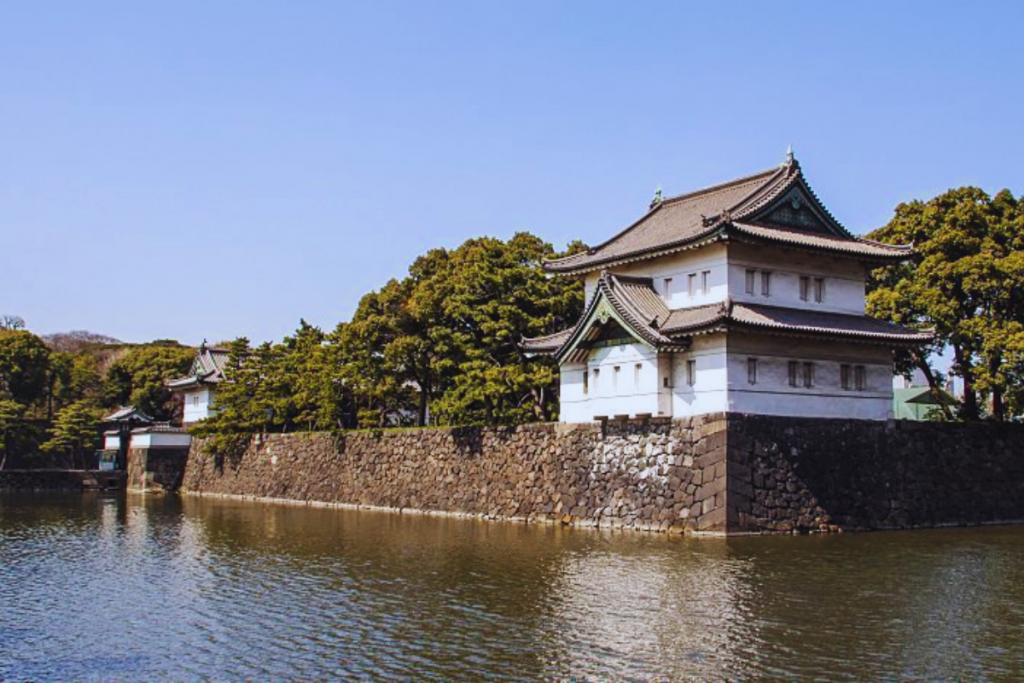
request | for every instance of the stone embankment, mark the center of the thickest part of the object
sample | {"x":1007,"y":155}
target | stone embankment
{"x":652,"y":475}
{"x":59,"y":480}
{"x":715,"y":473}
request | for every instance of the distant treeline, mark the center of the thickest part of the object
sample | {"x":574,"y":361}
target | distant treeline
{"x":54,"y":390}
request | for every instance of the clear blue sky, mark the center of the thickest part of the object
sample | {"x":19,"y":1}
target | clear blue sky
{"x":216,"y":169}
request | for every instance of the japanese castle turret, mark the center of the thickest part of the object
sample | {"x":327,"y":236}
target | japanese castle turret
{"x":200,"y":388}
{"x":744,"y":297}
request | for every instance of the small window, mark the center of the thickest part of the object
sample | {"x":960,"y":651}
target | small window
{"x":636,"y":375}
{"x":586,"y":382}
{"x":860,"y":377}
{"x":691,"y":372}
{"x":195,"y":401}
{"x":766,"y":284}
{"x":844,"y":376}
{"x":819,"y":289}
{"x":794,"y":371}
{"x":705,"y":285}
{"x":665,"y":382}
{"x":597,"y":376}
{"x":691,"y":285}
{"x":666,"y":288}
{"x":808,"y":375}
{"x":805,"y":288}
{"x":752,"y":370}
{"x":615,"y":378}
{"x":751,"y":275}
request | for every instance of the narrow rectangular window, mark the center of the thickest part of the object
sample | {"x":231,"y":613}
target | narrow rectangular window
{"x":586,"y":382}
{"x":636,"y":375}
{"x":667,"y":288}
{"x":819,"y":289}
{"x":794,"y":370}
{"x":844,"y":376}
{"x":805,"y":288}
{"x":752,"y":370}
{"x":615,"y":378}
{"x":597,"y":376}
{"x":766,"y":284}
{"x":750,"y":282}
{"x":691,"y":372}
{"x":860,"y":377}
{"x":808,"y":375}
{"x":691,"y":285}
{"x":705,"y":286}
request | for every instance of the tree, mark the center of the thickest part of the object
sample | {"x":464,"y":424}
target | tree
{"x":74,"y":432}
{"x":11,"y":322}
{"x":138,"y":378}
{"x":11,"y":414}
{"x":966,"y":281}
{"x":24,"y":367}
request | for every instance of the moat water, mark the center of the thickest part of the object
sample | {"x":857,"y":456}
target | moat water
{"x":95,"y":586}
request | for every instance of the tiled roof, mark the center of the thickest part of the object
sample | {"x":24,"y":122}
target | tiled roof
{"x":693,"y":219}
{"x":127,"y":413}
{"x":549,"y":344}
{"x":652,"y":321}
{"x":208,"y":368}
{"x":676,"y":221}
{"x":632,"y":298}
{"x":800,"y":320}
{"x":860,"y":247}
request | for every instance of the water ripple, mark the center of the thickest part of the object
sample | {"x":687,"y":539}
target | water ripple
{"x":95,"y":586}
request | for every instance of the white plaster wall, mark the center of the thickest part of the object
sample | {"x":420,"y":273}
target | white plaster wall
{"x":709,"y":392}
{"x":197,"y":404}
{"x":160,"y":439}
{"x":111,"y":441}
{"x":679,"y":267}
{"x":773,"y":395}
{"x":606,"y":395}
{"x":844,"y":278}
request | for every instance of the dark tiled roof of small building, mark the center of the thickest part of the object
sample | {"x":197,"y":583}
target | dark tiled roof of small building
{"x":697,"y":218}
{"x":207,"y":368}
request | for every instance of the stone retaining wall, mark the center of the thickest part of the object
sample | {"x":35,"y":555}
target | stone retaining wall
{"x":59,"y":480}
{"x":818,"y":474}
{"x":652,"y":475}
{"x":716,"y":473}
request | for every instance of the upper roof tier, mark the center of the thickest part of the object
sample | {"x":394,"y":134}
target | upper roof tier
{"x":774,"y":206}
{"x":208,"y":368}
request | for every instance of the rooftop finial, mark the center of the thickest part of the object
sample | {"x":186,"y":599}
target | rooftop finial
{"x":789,"y":154}
{"x":657,"y":197}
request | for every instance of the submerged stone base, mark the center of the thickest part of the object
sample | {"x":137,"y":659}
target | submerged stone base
{"x":720,"y":473}
{"x":156,"y":469}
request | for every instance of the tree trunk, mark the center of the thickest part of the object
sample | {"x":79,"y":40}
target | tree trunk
{"x":969,"y":411}
{"x":922,"y":362}
{"x":998,"y":408}
{"x":421,"y":418}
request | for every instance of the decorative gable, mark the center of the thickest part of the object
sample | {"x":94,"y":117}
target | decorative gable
{"x":798,"y":208}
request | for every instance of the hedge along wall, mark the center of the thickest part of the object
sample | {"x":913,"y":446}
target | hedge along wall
{"x":716,"y":473}
{"x":652,"y":475}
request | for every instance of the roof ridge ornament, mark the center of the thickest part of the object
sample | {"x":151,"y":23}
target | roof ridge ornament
{"x":789,"y":155}
{"x":658,"y":198}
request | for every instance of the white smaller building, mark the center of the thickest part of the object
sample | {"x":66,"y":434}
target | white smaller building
{"x":199,"y":389}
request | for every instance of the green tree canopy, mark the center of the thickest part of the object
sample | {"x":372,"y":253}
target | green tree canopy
{"x":966,"y":281}
{"x":75,"y":432}
{"x":24,"y":367}
{"x":138,"y":378}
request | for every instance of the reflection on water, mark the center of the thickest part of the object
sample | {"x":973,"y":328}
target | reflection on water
{"x":95,"y":586}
